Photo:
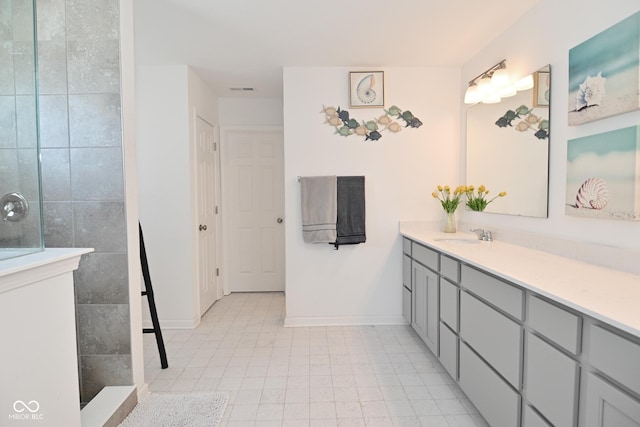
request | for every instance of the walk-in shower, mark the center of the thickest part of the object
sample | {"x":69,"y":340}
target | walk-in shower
{"x":21,"y":229}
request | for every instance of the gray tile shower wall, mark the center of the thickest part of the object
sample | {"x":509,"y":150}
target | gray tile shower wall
{"x":82,"y":175}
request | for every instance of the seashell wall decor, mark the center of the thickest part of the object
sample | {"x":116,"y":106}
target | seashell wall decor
{"x":592,"y":194}
{"x":604,"y":73}
{"x":603,"y":175}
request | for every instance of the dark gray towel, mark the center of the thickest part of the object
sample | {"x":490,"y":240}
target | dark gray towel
{"x":350,"y":225}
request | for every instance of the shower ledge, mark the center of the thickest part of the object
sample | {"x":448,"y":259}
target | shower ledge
{"x":28,"y":269}
{"x":39,"y":370}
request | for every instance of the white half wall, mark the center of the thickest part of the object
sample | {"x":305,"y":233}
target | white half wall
{"x":552,"y":28}
{"x":360,"y":284}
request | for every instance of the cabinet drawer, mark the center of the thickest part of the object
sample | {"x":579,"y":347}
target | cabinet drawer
{"x":531,"y":419}
{"x":449,"y":350}
{"x":495,"y":400}
{"x":493,"y":335}
{"x":553,"y":322}
{"x":425,"y":256}
{"x":406,"y":304}
{"x":551,"y":382}
{"x":503,"y":295}
{"x":449,"y":304}
{"x":406,"y":271}
{"x":406,"y":246}
{"x":606,"y":406}
{"x":615,"y":356}
{"x":450,"y":268}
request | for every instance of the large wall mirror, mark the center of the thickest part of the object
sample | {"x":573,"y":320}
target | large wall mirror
{"x":508,"y":149}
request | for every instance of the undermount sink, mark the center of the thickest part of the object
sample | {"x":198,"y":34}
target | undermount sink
{"x":459,"y":241}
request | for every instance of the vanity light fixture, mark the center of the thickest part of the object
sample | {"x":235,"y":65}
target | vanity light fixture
{"x":494,"y":84}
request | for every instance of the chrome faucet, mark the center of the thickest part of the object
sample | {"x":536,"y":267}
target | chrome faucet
{"x":482,"y":234}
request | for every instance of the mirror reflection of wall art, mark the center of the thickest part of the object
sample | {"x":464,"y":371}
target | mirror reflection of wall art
{"x":541,"y":88}
{"x":366,"y":89}
{"x":507,"y":149}
{"x":604,"y":73}
{"x":603,"y":180}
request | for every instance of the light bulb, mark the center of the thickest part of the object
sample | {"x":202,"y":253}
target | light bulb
{"x":500,"y":78}
{"x":471,"y":95}
{"x":484,"y":87}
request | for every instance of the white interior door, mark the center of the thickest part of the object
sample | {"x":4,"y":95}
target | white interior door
{"x":253,"y":208}
{"x":206,"y":193}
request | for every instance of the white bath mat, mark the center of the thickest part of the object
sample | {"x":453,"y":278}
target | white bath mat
{"x":178,"y":410}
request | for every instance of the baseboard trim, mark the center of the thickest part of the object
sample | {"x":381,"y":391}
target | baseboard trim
{"x":173,"y":324}
{"x":344,"y":321}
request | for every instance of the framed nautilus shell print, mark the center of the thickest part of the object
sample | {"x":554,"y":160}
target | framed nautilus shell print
{"x":366,"y":89}
{"x":603,"y":178}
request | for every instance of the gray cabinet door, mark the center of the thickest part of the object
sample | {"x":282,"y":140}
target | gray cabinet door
{"x":406,"y":271}
{"x":531,"y":419}
{"x":449,"y":350}
{"x":494,"y":336}
{"x":419,"y":299}
{"x":406,"y":304}
{"x":607,"y":406}
{"x":497,"y":402}
{"x":433,"y":317}
{"x":425,"y":315}
{"x":449,"y":304}
{"x":551,"y":382}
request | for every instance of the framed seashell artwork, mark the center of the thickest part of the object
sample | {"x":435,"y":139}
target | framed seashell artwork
{"x":604,"y":73}
{"x":366,"y":89}
{"x":603,"y":180}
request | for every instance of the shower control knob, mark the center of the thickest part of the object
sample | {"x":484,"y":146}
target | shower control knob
{"x":202,"y":227}
{"x":13,"y":207}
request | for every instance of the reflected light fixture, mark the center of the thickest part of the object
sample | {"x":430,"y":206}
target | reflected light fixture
{"x":490,"y":86}
{"x":524,"y":83}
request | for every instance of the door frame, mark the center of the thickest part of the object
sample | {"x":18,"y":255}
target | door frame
{"x":224,"y":232}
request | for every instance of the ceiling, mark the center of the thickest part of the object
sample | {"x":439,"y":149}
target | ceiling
{"x":246,"y":43}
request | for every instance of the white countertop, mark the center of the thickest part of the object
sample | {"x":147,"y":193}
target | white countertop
{"x":610,"y":296}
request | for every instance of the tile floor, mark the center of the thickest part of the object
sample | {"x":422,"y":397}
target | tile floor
{"x":319,"y":376}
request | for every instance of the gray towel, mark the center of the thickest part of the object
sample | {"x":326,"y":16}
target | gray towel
{"x":319,"y":208}
{"x":350,"y":224}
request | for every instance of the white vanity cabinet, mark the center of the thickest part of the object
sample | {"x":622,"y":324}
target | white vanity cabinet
{"x":524,"y":359}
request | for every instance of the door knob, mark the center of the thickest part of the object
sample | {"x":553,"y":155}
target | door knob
{"x":279,"y":220}
{"x":202,"y":227}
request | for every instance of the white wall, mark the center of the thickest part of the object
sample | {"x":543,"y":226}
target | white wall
{"x":168,"y":100}
{"x":360,"y":284}
{"x":131,"y":190}
{"x":544,"y":36}
{"x":250,"y":111}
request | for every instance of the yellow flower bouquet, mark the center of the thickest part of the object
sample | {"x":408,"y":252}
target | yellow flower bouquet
{"x":477,"y":199}
{"x":449,"y":200}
